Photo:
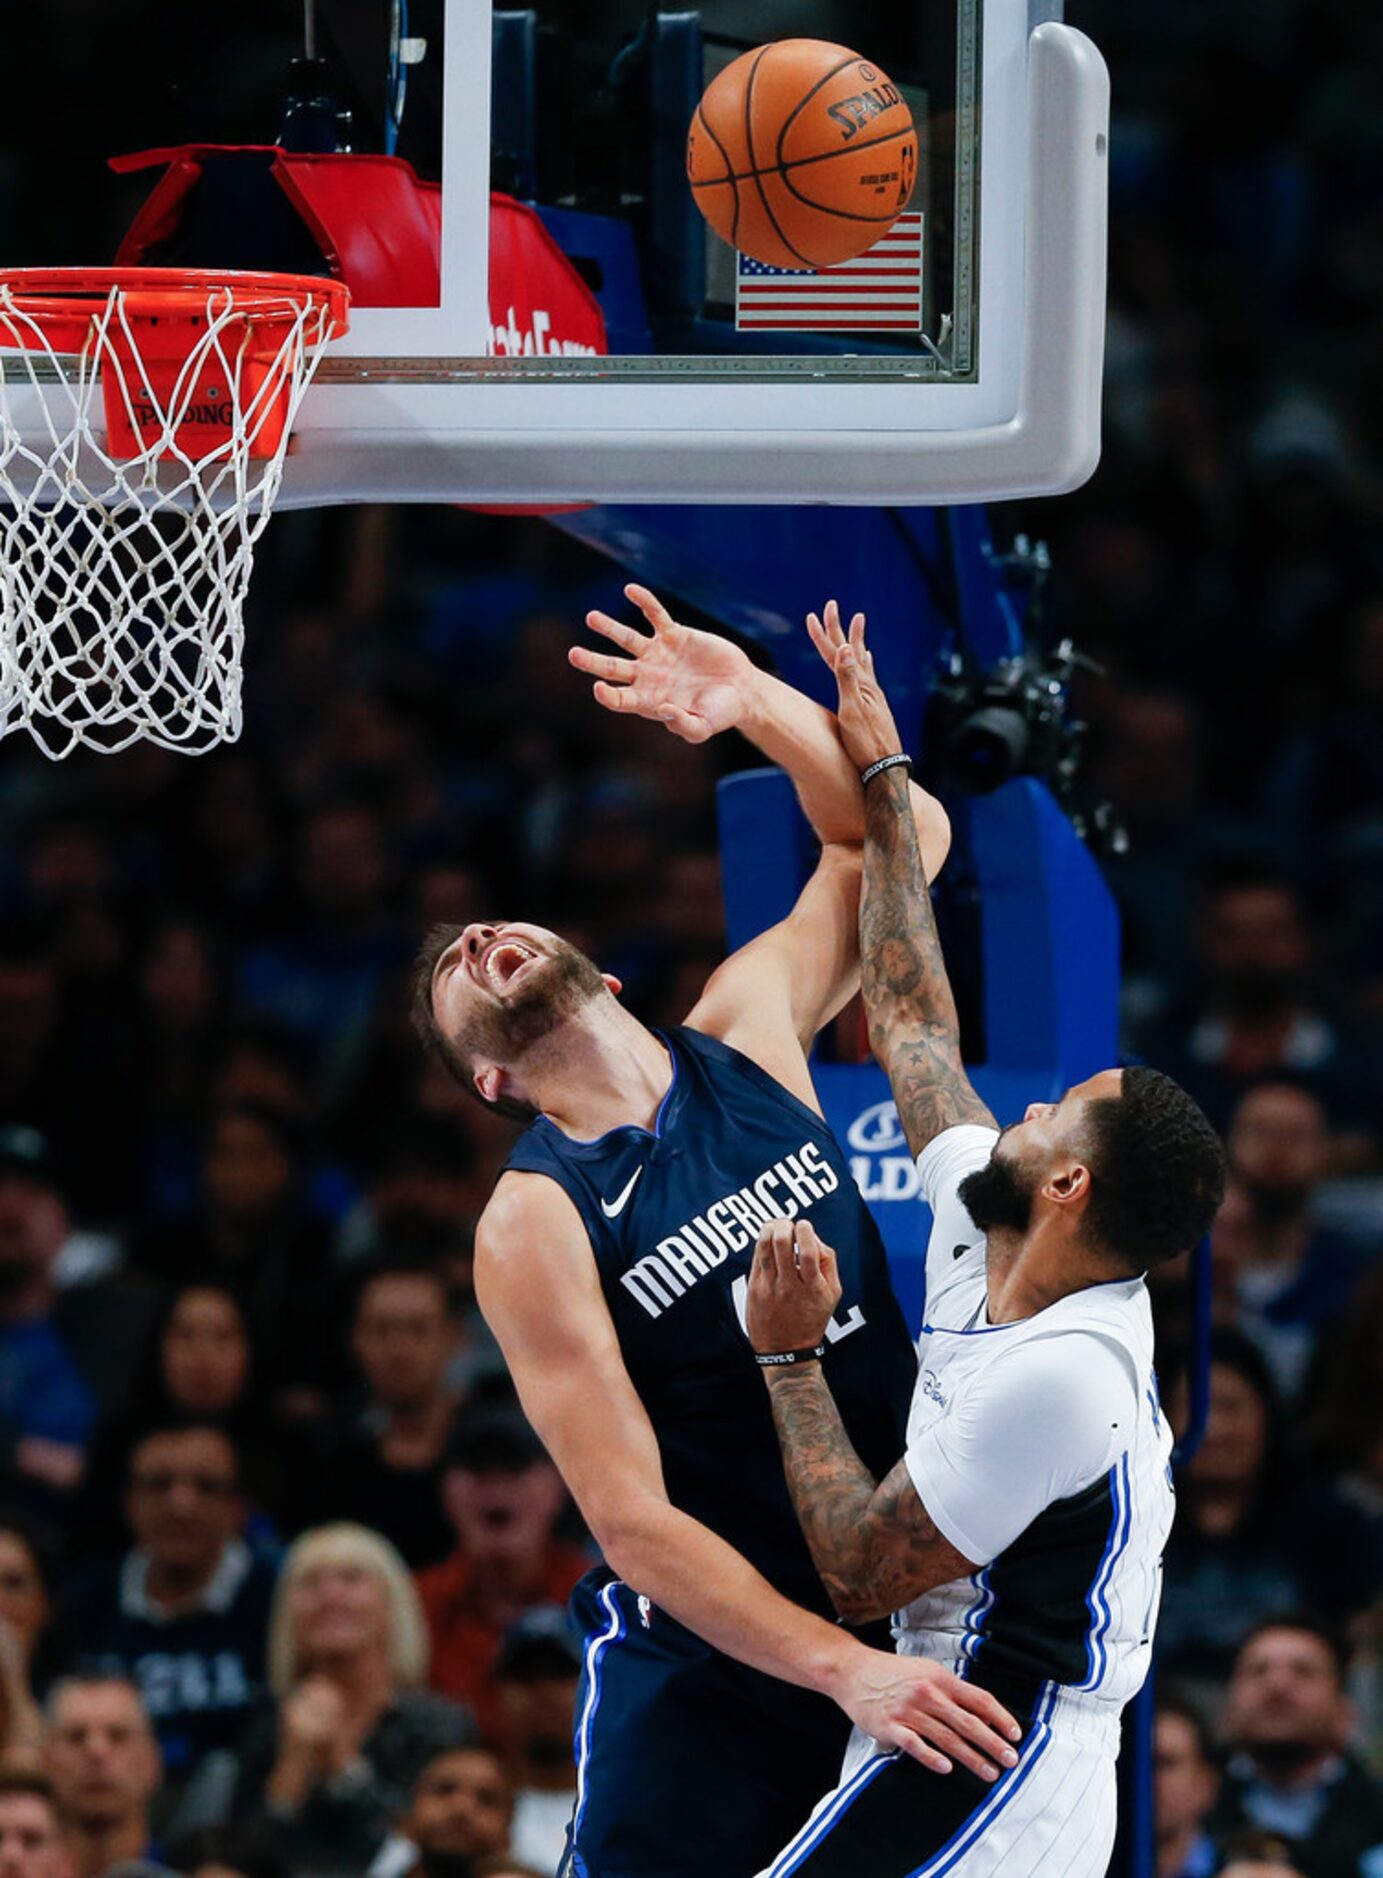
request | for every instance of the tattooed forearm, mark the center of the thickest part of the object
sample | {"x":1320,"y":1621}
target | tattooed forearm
{"x":913,"y":1027}
{"x":874,"y":1546}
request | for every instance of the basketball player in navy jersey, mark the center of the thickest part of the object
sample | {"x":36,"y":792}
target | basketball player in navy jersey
{"x":612,"y":1263}
{"x":1020,"y":1536}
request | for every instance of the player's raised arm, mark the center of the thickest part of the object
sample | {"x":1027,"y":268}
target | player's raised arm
{"x":698,"y":684}
{"x":913,"y":1026}
{"x":537,"y":1285}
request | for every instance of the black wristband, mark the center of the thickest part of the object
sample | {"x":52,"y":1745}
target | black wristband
{"x":896,"y":761}
{"x":787,"y":1359}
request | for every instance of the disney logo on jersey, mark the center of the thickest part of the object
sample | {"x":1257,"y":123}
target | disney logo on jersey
{"x":880,"y":1162}
{"x":930,"y":1388}
{"x":730,"y":1224}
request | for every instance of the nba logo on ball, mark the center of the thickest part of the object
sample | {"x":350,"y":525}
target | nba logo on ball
{"x":801,"y":154}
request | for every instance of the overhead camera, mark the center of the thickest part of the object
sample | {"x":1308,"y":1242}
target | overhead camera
{"x":1015,"y":720}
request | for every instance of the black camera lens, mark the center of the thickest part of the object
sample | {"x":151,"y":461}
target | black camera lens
{"x":988,"y":748}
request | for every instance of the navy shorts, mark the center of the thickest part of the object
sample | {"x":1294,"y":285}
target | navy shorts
{"x":688,"y":1763}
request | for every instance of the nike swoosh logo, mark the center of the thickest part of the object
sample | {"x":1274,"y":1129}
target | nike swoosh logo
{"x":613,"y":1208}
{"x":959,"y":1251}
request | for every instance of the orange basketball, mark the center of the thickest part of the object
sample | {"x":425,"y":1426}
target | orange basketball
{"x":801,"y":153}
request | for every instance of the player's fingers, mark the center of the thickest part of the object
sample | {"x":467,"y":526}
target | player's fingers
{"x":833,"y":622}
{"x":986,"y":1709}
{"x":954,"y":1745}
{"x":614,"y":697}
{"x":602,"y":664}
{"x":629,"y":637}
{"x":819,"y":637}
{"x":807,"y":1260}
{"x":684,"y":724}
{"x":650,"y":606}
{"x":785,"y":1251}
{"x":765,"y":1252}
{"x":897,"y":1736}
{"x":861,"y":650}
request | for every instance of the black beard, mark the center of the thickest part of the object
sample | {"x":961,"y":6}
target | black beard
{"x":16,"y":1274}
{"x":444,"y":1864}
{"x":997,"y":1197}
{"x":1253,"y":992}
{"x":556,"y":990}
{"x":547,"y":1751}
{"x":1280,"y":1760}
{"x":1277,"y":1206}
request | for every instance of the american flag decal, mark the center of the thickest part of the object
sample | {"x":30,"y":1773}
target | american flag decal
{"x":879,"y":291}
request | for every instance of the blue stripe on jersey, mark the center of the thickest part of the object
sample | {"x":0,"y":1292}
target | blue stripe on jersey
{"x":973,"y":1620}
{"x":1003,"y":1791}
{"x":596,"y":1647}
{"x":816,"y":1829}
{"x":1097,"y":1598}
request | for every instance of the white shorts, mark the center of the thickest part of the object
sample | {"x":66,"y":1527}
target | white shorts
{"x":1051,"y":1816}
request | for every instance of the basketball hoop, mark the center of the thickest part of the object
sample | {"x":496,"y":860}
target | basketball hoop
{"x":144,"y":418}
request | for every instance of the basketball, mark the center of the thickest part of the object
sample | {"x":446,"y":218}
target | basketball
{"x":801,"y":154}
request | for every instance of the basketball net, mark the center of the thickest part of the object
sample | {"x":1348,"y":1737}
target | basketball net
{"x":144,"y":420}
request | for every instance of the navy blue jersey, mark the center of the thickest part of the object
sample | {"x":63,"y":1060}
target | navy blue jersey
{"x":672,"y":1217}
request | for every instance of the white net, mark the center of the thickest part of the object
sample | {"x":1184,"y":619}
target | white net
{"x":123,"y":576}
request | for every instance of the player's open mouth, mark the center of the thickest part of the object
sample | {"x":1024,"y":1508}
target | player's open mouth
{"x":503,"y":960}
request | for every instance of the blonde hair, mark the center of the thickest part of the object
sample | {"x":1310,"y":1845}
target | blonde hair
{"x":347,"y":1544}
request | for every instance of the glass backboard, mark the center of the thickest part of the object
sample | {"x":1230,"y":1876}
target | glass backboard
{"x":602,"y":341}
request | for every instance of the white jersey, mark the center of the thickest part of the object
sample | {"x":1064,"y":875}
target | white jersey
{"x":1040,"y":1450}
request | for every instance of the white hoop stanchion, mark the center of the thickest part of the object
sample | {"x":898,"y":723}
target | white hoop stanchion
{"x":129,"y":514}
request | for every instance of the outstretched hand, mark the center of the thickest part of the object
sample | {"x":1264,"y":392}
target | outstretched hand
{"x":693,"y":682}
{"x":866,"y":723}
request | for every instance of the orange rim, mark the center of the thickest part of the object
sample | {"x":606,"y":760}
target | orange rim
{"x":153,"y":292}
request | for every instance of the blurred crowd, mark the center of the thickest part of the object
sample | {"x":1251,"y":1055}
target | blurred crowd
{"x":282,"y":1568}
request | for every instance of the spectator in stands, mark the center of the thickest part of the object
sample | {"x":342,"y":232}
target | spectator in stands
{"x":29,"y":1651}
{"x":32,"y":1844}
{"x":504,"y":1498}
{"x":1286,"y":1723}
{"x":253,"y":1229}
{"x":1257,"y":1019}
{"x":1258,"y":1855}
{"x":1185,"y":1785}
{"x":236,"y":1851}
{"x":537,"y":1672}
{"x":320,"y":979}
{"x":1291,"y":1275}
{"x":334,"y":1762}
{"x":200,"y":1367}
{"x":47,"y":1407}
{"x":1345,"y":1415}
{"x":460,"y":1811}
{"x":103,"y":1761}
{"x":1251,"y":1535}
{"x":381,"y":1465}
{"x":185,"y":1613}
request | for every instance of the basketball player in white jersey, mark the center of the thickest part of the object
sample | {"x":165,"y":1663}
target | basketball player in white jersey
{"x":1020,"y":1536}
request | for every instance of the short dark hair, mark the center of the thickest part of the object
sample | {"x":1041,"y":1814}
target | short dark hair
{"x":163,"y":1427}
{"x":1172,"y":1702}
{"x":30,"y":1784}
{"x":1157,"y":1170}
{"x":240,"y":1846}
{"x":1307,"y":1623}
{"x":435,"y":1040}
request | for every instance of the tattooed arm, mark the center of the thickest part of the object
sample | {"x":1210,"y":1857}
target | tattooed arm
{"x":874,"y":1545}
{"x":913,"y":1027}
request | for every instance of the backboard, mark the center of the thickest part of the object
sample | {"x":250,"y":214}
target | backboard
{"x":581,"y":108}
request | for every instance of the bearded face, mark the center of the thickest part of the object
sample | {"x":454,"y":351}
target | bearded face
{"x":517,"y":986}
{"x":999,"y":1196}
